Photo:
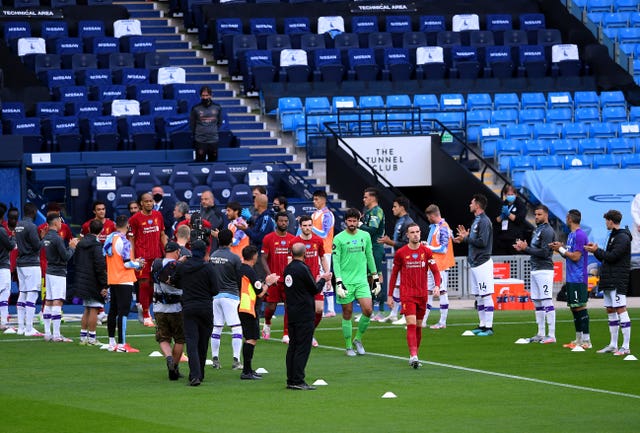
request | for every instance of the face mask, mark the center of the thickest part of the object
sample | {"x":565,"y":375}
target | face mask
{"x":157,"y":198}
{"x":276,"y":209}
{"x":511,"y":198}
{"x":206,"y":102}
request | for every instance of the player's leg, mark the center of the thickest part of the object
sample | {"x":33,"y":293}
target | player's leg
{"x":620,"y":305}
{"x":22,"y":298}
{"x":145,"y":290}
{"x":329,"y":293}
{"x":251,"y":333}
{"x":5,"y":292}
{"x":546,"y":292}
{"x":271,"y":302}
{"x":347,"y":328}
{"x":363,"y":296}
{"x":32,"y":285}
{"x":92,"y":323}
{"x":112,"y":318}
{"x":485,"y":286}
{"x":614,"y":318}
{"x":409,"y":307}
{"x":57,"y":290}
{"x":444,"y":300}
{"x":216,"y":333}
{"x":431,"y":284}
{"x":46,"y":309}
{"x":230,"y":307}
{"x":536,"y":296}
{"x":84,"y":324}
{"x":285,"y":319}
{"x":319,"y":304}
{"x":125,"y":296}
{"x":473,"y":289}
{"x":395,"y":294}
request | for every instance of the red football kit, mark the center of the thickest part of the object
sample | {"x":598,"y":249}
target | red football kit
{"x":147,"y":231}
{"x":108,"y":227}
{"x":277,"y":248}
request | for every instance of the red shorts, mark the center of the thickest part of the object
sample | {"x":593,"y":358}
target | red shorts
{"x":414,"y":306}
{"x":275,"y":293}
{"x":319,"y":297}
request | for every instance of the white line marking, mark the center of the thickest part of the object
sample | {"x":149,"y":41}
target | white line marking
{"x":493,"y":373}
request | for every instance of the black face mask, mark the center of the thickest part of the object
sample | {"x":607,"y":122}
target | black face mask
{"x":157,"y":198}
{"x":276,"y":209}
{"x":205,"y":102}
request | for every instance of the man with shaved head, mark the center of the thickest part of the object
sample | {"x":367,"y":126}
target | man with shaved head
{"x":263,"y":223}
{"x":300,"y":288}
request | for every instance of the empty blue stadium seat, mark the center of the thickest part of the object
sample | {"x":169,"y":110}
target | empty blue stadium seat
{"x":535,"y":147}
{"x":588,"y":146}
{"x":533,"y":100}
{"x":614,"y":114}
{"x":104,"y":134}
{"x":587,"y":115}
{"x":531,"y":116}
{"x":507,"y":116}
{"x":563,"y":146}
{"x":602,"y":130}
{"x":575,"y":130}
{"x":621,"y":145}
{"x":546,"y":162}
{"x":559,"y":115}
{"x":362,"y":64}
{"x":175,"y":132}
{"x":508,"y":100}
{"x":452,"y":101}
{"x":139,"y":132}
{"x":630,"y":161}
{"x":607,"y":161}
{"x":498,"y":62}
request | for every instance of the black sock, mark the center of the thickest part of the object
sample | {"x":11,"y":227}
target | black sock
{"x":583,"y":321}
{"x":247,"y":355}
{"x":576,"y":320}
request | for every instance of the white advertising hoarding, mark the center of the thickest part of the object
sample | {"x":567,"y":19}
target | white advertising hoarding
{"x":403,"y":161}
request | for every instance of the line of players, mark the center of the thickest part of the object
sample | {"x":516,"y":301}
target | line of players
{"x":275,"y":252}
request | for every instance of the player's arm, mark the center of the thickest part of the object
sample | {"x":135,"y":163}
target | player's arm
{"x":264,"y":256}
{"x":619,"y":247}
{"x":544,"y":252}
{"x":337,"y":266}
{"x":433,"y":267}
{"x":397,"y":264}
{"x":372,"y":223}
{"x":8,"y":243}
{"x":327,"y":225}
{"x":368,"y":251}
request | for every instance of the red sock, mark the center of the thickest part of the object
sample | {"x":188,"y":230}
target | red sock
{"x":411,"y":340}
{"x":145,"y":292}
{"x":286,"y":322}
{"x":316,"y":322}
{"x":418,"y":336}
{"x":268,"y":314}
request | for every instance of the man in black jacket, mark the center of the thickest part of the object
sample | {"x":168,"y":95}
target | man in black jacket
{"x":196,"y":278}
{"x":7,"y":244}
{"x":300,"y":289}
{"x":90,"y":282}
{"x":614,"y":281}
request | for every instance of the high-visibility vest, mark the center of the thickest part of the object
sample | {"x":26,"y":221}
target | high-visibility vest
{"x":116,"y":272}
{"x":317,"y":219}
{"x":247,"y":297}
{"x":446,"y":260}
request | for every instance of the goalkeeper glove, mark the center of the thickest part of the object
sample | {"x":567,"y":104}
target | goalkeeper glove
{"x":340,"y":290}
{"x":377,"y":287}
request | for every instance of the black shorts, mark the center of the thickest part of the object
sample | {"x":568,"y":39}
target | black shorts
{"x":169,"y":326}
{"x":250,"y":326}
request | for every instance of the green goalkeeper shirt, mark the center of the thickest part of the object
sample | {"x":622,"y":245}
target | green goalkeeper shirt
{"x":373,"y":223}
{"x":352,"y":256}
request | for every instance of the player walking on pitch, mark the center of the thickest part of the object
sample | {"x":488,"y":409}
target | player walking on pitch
{"x":413,"y":263}
{"x":352,"y":257}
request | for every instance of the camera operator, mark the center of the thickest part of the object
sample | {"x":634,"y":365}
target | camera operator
{"x":212,"y":215}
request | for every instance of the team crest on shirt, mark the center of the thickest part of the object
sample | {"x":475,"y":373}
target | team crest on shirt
{"x":283,"y":242}
{"x":414,"y":256}
{"x":288,"y":281}
{"x":308,"y":246}
{"x":150,"y":222}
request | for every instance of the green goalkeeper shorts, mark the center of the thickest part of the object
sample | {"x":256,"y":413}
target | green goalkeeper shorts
{"x":354,"y":291}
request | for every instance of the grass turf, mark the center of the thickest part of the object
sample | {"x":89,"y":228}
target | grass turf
{"x":467,"y":384}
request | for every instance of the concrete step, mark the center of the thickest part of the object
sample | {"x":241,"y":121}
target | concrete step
{"x":252,"y":126}
{"x":202,"y":78}
{"x":186,"y":61}
{"x":145,"y":14}
{"x":259,"y":141}
{"x":173,"y":45}
{"x":262,"y":134}
{"x":158,"y":29}
{"x":259,"y":150}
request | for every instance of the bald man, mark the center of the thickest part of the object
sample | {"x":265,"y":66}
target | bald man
{"x":263,"y":224}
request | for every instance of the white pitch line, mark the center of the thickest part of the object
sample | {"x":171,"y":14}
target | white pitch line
{"x":494,"y":373}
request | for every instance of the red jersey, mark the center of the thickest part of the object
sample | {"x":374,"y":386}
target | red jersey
{"x":147,"y":231}
{"x":108,"y":227}
{"x":413,"y":267}
{"x":64,"y":232}
{"x":315,"y":251}
{"x":277,"y":248}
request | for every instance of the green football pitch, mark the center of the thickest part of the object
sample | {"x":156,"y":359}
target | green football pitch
{"x":466,"y":384}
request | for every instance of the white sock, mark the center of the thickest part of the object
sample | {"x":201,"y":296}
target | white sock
{"x":539,"y":316}
{"x":56,"y":319}
{"x":236,"y":340}
{"x":46,"y":320}
{"x":30,"y":310}
{"x":550,"y":315}
{"x":215,"y":341}
{"x":625,"y":327}
{"x":330,"y":297}
{"x":488,"y":311}
{"x":480,"y":309}
{"x":112,"y":341}
{"x":20,"y":307}
{"x":614,"y":324}
{"x":4,"y":306}
{"x":426,"y":313}
{"x":444,"y":308}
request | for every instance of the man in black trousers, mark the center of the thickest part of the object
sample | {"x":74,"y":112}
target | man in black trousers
{"x":196,"y":279}
{"x":300,"y":289}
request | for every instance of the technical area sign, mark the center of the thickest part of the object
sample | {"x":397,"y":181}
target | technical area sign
{"x":402,"y":160}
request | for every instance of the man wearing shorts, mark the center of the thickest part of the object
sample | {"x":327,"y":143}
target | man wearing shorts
{"x":251,"y":291}
{"x":58,"y":256}
{"x":7,"y":244}
{"x":412,"y":263}
{"x":352,"y":257}
{"x":225,"y":305}
{"x":322,"y":225}
{"x":148,"y":239}
{"x":480,"y":240}
{"x":168,"y":309}
{"x":541,"y":275}
{"x":275,"y":256}
{"x":576,"y":258}
{"x":29,"y":272}
{"x":614,"y":281}
{"x":313,"y":258}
